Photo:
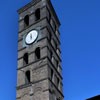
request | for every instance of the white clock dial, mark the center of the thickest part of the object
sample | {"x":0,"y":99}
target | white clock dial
{"x":31,"y":36}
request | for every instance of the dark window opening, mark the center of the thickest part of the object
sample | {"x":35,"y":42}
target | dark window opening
{"x":26,"y":20}
{"x":27,"y":77}
{"x":50,"y":37}
{"x":58,"y":81}
{"x":25,"y":58}
{"x":51,"y":74}
{"x":54,"y":25}
{"x":51,"y":54}
{"x":57,"y":63}
{"x":37,"y":53}
{"x":49,"y":17}
{"x":37,"y":14}
{"x":55,"y":44}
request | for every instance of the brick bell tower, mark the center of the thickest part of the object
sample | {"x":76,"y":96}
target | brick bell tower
{"x":39,"y":72}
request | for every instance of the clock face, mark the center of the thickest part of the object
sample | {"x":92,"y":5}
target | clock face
{"x":31,"y":37}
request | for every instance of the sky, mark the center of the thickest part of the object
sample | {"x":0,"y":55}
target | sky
{"x":80,"y":46}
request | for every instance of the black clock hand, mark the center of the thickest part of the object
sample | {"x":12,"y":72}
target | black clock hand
{"x":31,"y":36}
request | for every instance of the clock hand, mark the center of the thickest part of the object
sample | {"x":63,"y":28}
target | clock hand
{"x":31,"y":36}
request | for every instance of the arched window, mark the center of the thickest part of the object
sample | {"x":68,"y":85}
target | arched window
{"x":37,"y":53}
{"x":51,"y":54}
{"x":25,"y":58}
{"x":26,"y":20}
{"x":57,"y":64}
{"x":37,"y":14}
{"x":27,"y":77}
{"x":58,"y":82}
{"x":49,"y":17}
{"x":52,"y":74}
{"x":50,"y":37}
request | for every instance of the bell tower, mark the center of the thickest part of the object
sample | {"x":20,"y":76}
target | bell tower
{"x":39,"y":72}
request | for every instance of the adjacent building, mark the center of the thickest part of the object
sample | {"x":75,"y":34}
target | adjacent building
{"x":94,"y":98}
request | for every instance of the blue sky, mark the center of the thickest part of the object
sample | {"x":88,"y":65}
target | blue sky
{"x":80,"y":45}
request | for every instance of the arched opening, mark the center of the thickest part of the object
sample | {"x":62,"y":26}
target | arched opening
{"x":50,"y":37}
{"x":52,"y":74}
{"x":49,"y":17}
{"x":57,"y":63}
{"x":25,"y":58}
{"x":58,"y":82}
{"x":37,"y":14}
{"x":27,"y":77}
{"x":51,"y":54}
{"x":26,"y":20}
{"x":37,"y":53}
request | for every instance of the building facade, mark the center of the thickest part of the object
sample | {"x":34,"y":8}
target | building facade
{"x":39,"y":72}
{"x":94,"y":98}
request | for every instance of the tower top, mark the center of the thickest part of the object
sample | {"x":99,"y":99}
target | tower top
{"x":32,"y":3}
{"x":43,"y":3}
